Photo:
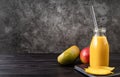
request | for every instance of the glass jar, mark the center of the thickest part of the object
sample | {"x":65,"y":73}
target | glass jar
{"x":99,"y":49}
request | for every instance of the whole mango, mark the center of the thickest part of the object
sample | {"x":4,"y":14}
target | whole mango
{"x":69,"y":55}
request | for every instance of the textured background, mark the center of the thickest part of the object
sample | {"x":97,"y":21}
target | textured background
{"x":51,"y":26}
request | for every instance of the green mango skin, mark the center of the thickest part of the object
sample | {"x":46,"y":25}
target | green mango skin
{"x":69,"y":55}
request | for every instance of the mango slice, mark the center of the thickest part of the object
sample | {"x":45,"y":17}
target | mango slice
{"x":101,"y":70}
{"x":107,"y":68}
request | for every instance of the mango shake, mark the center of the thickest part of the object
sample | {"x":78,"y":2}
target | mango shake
{"x":99,"y":51}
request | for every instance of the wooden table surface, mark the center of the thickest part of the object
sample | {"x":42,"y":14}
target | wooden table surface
{"x":40,"y":65}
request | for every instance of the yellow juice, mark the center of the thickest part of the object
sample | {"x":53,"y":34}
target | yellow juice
{"x":99,"y":51}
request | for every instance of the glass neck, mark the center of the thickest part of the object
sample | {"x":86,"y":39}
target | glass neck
{"x":100,"y":32}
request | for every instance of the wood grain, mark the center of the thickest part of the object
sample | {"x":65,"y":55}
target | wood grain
{"x":39,"y":65}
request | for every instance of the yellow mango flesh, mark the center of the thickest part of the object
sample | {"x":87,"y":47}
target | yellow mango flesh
{"x":105,"y":67}
{"x":101,"y":70}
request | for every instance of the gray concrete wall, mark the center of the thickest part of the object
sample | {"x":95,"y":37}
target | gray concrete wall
{"x":51,"y":26}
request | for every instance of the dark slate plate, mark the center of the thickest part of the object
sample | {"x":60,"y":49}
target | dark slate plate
{"x":80,"y":68}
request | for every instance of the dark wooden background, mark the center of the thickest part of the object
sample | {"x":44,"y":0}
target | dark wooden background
{"x":42,"y":65}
